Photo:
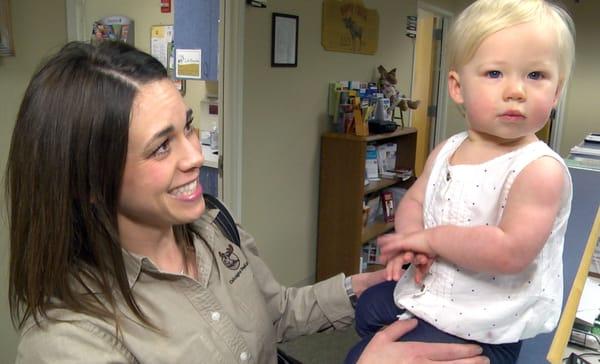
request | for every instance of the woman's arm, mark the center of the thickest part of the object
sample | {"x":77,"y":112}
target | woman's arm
{"x":298,"y":311}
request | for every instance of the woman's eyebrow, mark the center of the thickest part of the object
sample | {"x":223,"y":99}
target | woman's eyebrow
{"x":159,"y":135}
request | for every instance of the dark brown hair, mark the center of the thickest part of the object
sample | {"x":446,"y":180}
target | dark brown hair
{"x":63,"y":178}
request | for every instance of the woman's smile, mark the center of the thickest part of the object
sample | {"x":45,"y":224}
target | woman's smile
{"x":187,"y":192}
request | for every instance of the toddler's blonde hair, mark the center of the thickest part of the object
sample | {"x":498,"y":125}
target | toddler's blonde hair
{"x":485,"y":17}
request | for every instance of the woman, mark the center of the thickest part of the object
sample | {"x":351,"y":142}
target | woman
{"x":114,"y":257}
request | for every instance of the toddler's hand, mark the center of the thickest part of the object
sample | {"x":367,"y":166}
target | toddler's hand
{"x":394,"y":265}
{"x":422,"y":264}
{"x":394,"y":244}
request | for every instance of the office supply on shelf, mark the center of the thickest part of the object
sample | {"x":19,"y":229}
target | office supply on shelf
{"x":576,"y":359}
{"x":589,"y":304}
{"x":585,"y":339}
{"x":586,"y":328}
{"x":590,"y":146}
{"x":593,"y":137}
{"x":585,"y":150}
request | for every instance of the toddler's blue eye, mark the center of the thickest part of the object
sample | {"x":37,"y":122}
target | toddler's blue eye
{"x":494,"y":74}
{"x":535,"y":75}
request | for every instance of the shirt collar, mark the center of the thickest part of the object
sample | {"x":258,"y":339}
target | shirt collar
{"x":134,"y":262}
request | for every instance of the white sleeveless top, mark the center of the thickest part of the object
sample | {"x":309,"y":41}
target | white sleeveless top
{"x":480,"y":306}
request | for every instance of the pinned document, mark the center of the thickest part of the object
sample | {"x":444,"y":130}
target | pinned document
{"x":188,"y":63}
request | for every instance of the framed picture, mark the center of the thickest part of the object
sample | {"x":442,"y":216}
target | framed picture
{"x":284,"y":40}
{"x":7,"y":47}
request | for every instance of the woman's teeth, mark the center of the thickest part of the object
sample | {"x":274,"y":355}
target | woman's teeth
{"x":185,"y":190}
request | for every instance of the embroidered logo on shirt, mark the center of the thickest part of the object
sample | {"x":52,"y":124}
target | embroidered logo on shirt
{"x":230,"y":259}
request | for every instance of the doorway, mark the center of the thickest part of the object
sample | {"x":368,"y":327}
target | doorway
{"x":429,"y":81}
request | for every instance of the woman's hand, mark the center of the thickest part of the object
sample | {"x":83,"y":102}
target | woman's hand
{"x":362,"y":281}
{"x":384,"y":348}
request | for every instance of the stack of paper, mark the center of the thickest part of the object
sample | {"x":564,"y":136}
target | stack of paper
{"x":589,"y":147}
{"x":580,"y":149}
{"x":589,"y":305}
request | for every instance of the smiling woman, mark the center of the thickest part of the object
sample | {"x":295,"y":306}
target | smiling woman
{"x":160,"y":181}
{"x":117,"y":252}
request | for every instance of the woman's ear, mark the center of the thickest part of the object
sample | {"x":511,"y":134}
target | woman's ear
{"x":454,"y":88}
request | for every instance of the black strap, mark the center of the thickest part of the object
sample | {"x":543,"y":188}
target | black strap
{"x":224,"y":220}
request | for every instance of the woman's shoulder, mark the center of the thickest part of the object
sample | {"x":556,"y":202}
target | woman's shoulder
{"x":66,"y":336}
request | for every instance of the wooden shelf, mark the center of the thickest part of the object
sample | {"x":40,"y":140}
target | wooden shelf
{"x":375,"y":186}
{"x":341,"y":234}
{"x":375,"y":229}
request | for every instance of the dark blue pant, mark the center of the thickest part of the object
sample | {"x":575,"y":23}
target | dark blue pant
{"x":376,"y":308}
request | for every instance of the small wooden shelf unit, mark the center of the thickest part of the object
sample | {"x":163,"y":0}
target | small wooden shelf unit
{"x":341,"y":233}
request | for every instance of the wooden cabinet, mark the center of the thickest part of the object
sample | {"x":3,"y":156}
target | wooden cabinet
{"x":196,"y":26}
{"x":341,"y":233}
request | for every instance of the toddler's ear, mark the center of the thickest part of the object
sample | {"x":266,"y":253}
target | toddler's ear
{"x":558,"y":94}
{"x":454,"y":87}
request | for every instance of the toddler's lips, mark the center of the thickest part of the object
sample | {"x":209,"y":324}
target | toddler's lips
{"x":512,"y":115}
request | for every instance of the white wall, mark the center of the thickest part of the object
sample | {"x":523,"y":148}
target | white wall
{"x":37,"y":34}
{"x":284,"y":116}
{"x":582,"y":113}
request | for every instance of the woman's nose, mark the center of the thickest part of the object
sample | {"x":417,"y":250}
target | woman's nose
{"x":192,"y":156}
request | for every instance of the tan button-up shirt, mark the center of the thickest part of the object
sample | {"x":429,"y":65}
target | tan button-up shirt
{"x":235,"y":312}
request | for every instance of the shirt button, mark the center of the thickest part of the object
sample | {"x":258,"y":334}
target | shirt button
{"x":244,"y":356}
{"x":215,"y":316}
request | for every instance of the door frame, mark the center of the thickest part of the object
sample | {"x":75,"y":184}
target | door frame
{"x":231,"y":98}
{"x":75,"y":26}
{"x":439,"y":130}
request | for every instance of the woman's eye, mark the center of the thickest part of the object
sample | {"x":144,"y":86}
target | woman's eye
{"x":162,"y":150}
{"x":494,"y":74}
{"x":535,"y":75}
{"x":189,"y":129}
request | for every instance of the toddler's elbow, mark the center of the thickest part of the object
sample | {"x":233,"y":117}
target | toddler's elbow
{"x":511,"y":265}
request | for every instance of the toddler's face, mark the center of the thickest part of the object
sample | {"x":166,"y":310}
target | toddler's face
{"x":511,"y":84}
